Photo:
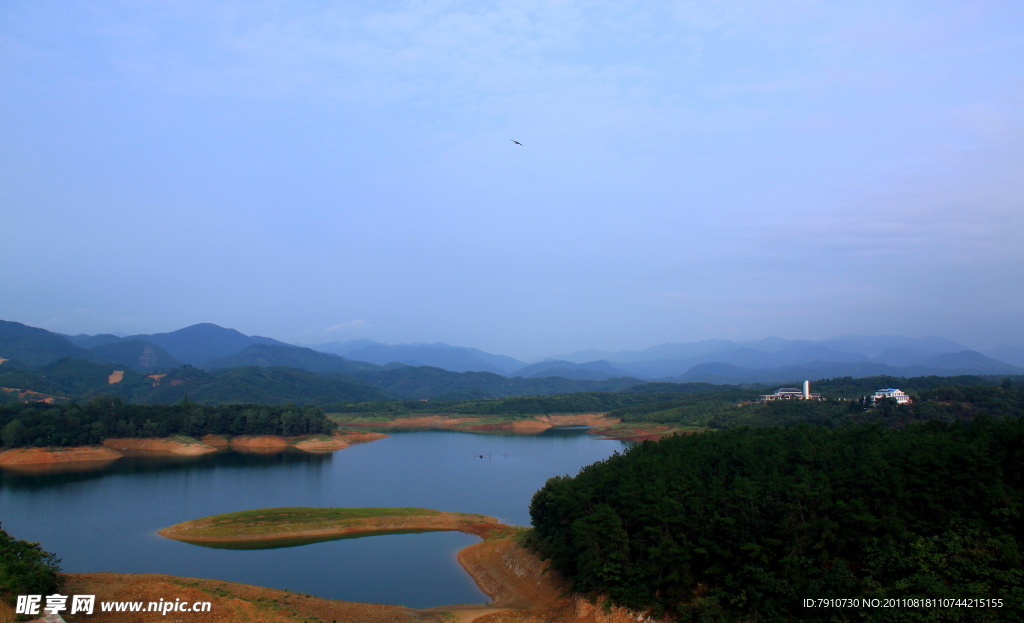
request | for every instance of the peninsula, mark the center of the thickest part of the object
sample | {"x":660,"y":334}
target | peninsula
{"x":304,"y":522}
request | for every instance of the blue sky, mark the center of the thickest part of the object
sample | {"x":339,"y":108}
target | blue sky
{"x":319,"y":171}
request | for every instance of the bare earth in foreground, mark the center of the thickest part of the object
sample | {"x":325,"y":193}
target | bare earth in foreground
{"x":522,"y":588}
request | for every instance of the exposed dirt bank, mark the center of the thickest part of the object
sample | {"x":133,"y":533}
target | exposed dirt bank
{"x":578,"y":419}
{"x":46,"y":456}
{"x":258,"y":443}
{"x":230,"y":602}
{"x":176,"y":444}
{"x":275,"y":443}
{"x":274,"y":524}
{"x":644,"y":431}
{"x":480,"y":424}
{"x":81,"y":457}
{"x":529,"y":590}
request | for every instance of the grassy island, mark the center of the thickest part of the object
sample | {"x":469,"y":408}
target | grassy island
{"x":303,"y":522}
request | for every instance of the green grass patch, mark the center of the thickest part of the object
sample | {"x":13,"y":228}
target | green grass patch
{"x":295,"y":518}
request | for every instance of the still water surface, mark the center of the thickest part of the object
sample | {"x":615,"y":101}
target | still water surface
{"x":107,"y":520}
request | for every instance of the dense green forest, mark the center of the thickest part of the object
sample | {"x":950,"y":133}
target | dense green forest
{"x":73,"y":424}
{"x":743,"y":524}
{"x":656,"y":402}
{"x":26,"y":569}
{"x":581,"y":402}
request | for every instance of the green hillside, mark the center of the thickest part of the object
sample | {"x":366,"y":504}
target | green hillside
{"x":742,"y":525}
{"x":424,"y":382}
{"x":136,"y":354}
{"x":35,"y":346}
{"x":82,"y":380}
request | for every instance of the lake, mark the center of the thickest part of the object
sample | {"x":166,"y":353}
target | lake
{"x":106,"y":520}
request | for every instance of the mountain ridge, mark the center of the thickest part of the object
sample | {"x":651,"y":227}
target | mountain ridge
{"x":210,"y":346}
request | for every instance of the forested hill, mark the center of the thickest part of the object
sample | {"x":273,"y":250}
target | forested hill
{"x":93,"y":421}
{"x":743,"y":524}
{"x":80,"y":379}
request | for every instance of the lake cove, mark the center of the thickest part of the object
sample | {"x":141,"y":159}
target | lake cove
{"x":106,"y":520}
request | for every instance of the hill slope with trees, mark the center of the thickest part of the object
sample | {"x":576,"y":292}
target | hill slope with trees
{"x":91,"y":422}
{"x":743,"y":524}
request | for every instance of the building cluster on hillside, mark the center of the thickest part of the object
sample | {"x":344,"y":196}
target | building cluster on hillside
{"x":791,"y":393}
{"x":899,"y":396}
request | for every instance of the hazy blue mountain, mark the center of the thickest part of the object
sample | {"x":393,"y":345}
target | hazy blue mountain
{"x":1011,"y":353}
{"x":439,"y":355}
{"x":343,"y":348}
{"x":967,"y":362}
{"x":92,"y":341}
{"x":594,"y":370}
{"x":873,"y":346}
{"x":36,"y":346}
{"x":201,"y":343}
{"x":972,"y":360}
{"x":667,"y":360}
{"x":269,"y":355}
{"x":136,"y":354}
{"x":657,"y":352}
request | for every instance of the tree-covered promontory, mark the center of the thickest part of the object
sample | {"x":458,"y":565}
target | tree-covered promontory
{"x":743,"y":524}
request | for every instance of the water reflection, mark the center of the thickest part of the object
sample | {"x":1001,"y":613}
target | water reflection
{"x":58,"y":474}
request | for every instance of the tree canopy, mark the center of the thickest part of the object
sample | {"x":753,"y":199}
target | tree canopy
{"x":72,"y":424}
{"x":742,"y":524}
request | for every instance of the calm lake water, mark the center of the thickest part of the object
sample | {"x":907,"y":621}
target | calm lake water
{"x":107,"y":520}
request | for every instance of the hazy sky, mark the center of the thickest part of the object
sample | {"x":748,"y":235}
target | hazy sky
{"x":318,"y":171}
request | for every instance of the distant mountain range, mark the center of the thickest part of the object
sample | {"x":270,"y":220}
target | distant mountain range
{"x":432,"y":370}
{"x":774,"y":359}
{"x":439,"y":355}
{"x":211,"y":364}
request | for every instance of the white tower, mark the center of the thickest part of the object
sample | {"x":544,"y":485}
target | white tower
{"x":807,"y":390}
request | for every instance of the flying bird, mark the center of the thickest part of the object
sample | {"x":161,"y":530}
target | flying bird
{"x":516,"y":142}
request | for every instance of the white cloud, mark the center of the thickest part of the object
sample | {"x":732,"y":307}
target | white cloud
{"x":347,"y":326}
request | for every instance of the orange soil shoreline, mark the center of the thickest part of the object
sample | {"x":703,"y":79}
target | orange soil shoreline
{"x":522,"y":589}
{"x":535,"y":424}
{"x":115,"y":448}
{"x":605,"y":427}
{"x":77,"y":454}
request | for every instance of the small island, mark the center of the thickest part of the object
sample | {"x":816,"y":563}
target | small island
{"x":304,"y":522}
